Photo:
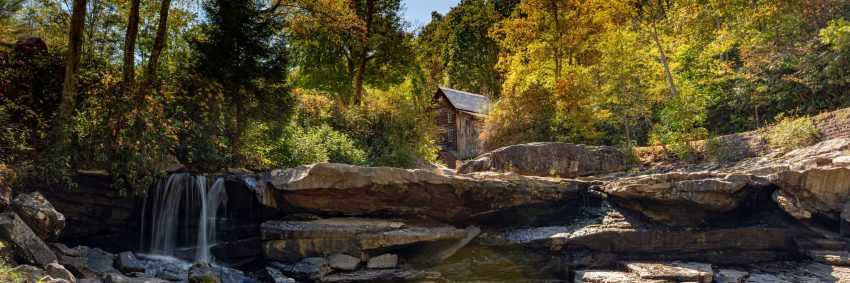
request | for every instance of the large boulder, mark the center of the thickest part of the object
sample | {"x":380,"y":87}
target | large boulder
{"x":335,"y":189}
{"x":290,"y":241}
{"x":682,"y":199}
{"x":40,"y":215}
{"x":27,"y":247}
{"x":548,"y":159}
{"x":815,"y":191}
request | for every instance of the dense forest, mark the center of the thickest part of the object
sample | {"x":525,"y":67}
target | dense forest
{"x":130,"y":86}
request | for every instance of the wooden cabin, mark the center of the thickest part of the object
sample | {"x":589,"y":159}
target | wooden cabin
{"x":460,"y":118}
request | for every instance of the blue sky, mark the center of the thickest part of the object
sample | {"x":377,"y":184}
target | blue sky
{"x":418,"y":12}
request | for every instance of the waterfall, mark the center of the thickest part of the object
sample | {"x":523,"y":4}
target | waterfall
{"x":183,"y":203}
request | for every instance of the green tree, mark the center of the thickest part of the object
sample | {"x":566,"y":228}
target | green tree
{"x":242,"y":49}
{"x":343,"y":61}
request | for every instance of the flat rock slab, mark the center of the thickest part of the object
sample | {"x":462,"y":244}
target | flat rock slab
{"x":605,"y":276}
{"x":674,"y":271}
{"x":340,"y":189}
{"x":549,"y":159}
{"x":381,"y":275}
{"x":730,"y":276}
{"x":290,"y":241}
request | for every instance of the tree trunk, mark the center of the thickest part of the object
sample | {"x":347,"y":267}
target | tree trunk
{"x":663,"y":59}
{"x":72,"y":67}
{"x":130,"y":47}
{"x":158,"y":45}
{"x":364,"y":55}
{"x":239,"y":127}
{"x":358,"y":82}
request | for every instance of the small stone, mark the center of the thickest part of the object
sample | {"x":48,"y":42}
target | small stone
{"x":202,"y":273}
{"x":275,"y":276}
{"x":127,"y":262}
{"x":58,"y":271}
{"x":730,"y":276}
{"x":343,"y":262}
{"x":100,"y":261}
{"x":308,"y":269}
{"x":383,"y":261}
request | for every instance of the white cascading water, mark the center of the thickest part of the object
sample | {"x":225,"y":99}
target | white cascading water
{"x":199,"y":202}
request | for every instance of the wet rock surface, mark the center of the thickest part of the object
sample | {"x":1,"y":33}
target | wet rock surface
{"x":549,"y":159}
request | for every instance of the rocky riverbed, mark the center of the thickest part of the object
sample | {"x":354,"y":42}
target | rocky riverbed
{"x":773,"y":218}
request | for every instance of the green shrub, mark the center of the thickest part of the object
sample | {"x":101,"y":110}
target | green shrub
{"x":714,"y":150}
{"x":792,"y":133}
{"x":281,"y":147}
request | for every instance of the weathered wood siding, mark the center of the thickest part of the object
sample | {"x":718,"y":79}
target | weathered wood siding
{"x":469,"y":129}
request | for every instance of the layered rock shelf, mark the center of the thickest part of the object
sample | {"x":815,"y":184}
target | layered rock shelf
{"x":538,"y":212}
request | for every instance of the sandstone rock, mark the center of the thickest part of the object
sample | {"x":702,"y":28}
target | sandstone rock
{"x":86,"y":280}
{"x":357,"y":191}
{"x":56,"y":270}
{"x":343,"y":262}
{"x":675,"y":271}
{"x":821,"y":191}
{"x":308,"y":269}
{"x":793,"y":272}
{"x":383,"y":261}
{"x":290,"y":241}
{"x":548,"y":159}
{"x":30,"y":274}
{"x":202,"y":273}
{"x":273,"y":275}
{"x":40,"y":216}
{"x":730,"y":276}
{"x":26,"y":245}
{"x":836,"y":258}
{"x":681,"y":199}
{"x":382,"y":275}
{"x":58,"y":280}
{"x":127,"y":262}
{"x":789,"y":205}
{"x":841,"y":161}
{"x":604,"y":276}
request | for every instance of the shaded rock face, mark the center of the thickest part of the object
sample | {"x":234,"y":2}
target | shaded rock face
{"x":27,"y":247}
{"x":413,"y":194}
{"x":290,"y":241}
{"x":95,"y":214}
{"x":821,"y":191}
{"x":548,"y":159}
{"x":683,"y":199}
{"x":39,"y":215}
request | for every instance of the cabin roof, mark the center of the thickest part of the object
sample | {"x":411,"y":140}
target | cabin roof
{"x":465,"y":101}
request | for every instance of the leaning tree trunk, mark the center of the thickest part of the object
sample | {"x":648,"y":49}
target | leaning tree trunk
{"x":130,"y":47}
{"x":664,"y":59}
{"x":72,"y":68}
{"x":158,"y":45}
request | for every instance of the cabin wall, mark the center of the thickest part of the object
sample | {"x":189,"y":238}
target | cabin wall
{"x":469,"y":128}
{"x":447,"y":122}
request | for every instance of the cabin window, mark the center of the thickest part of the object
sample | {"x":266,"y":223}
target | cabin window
{"x":450,"y":136}
{"x":449,"y":117}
